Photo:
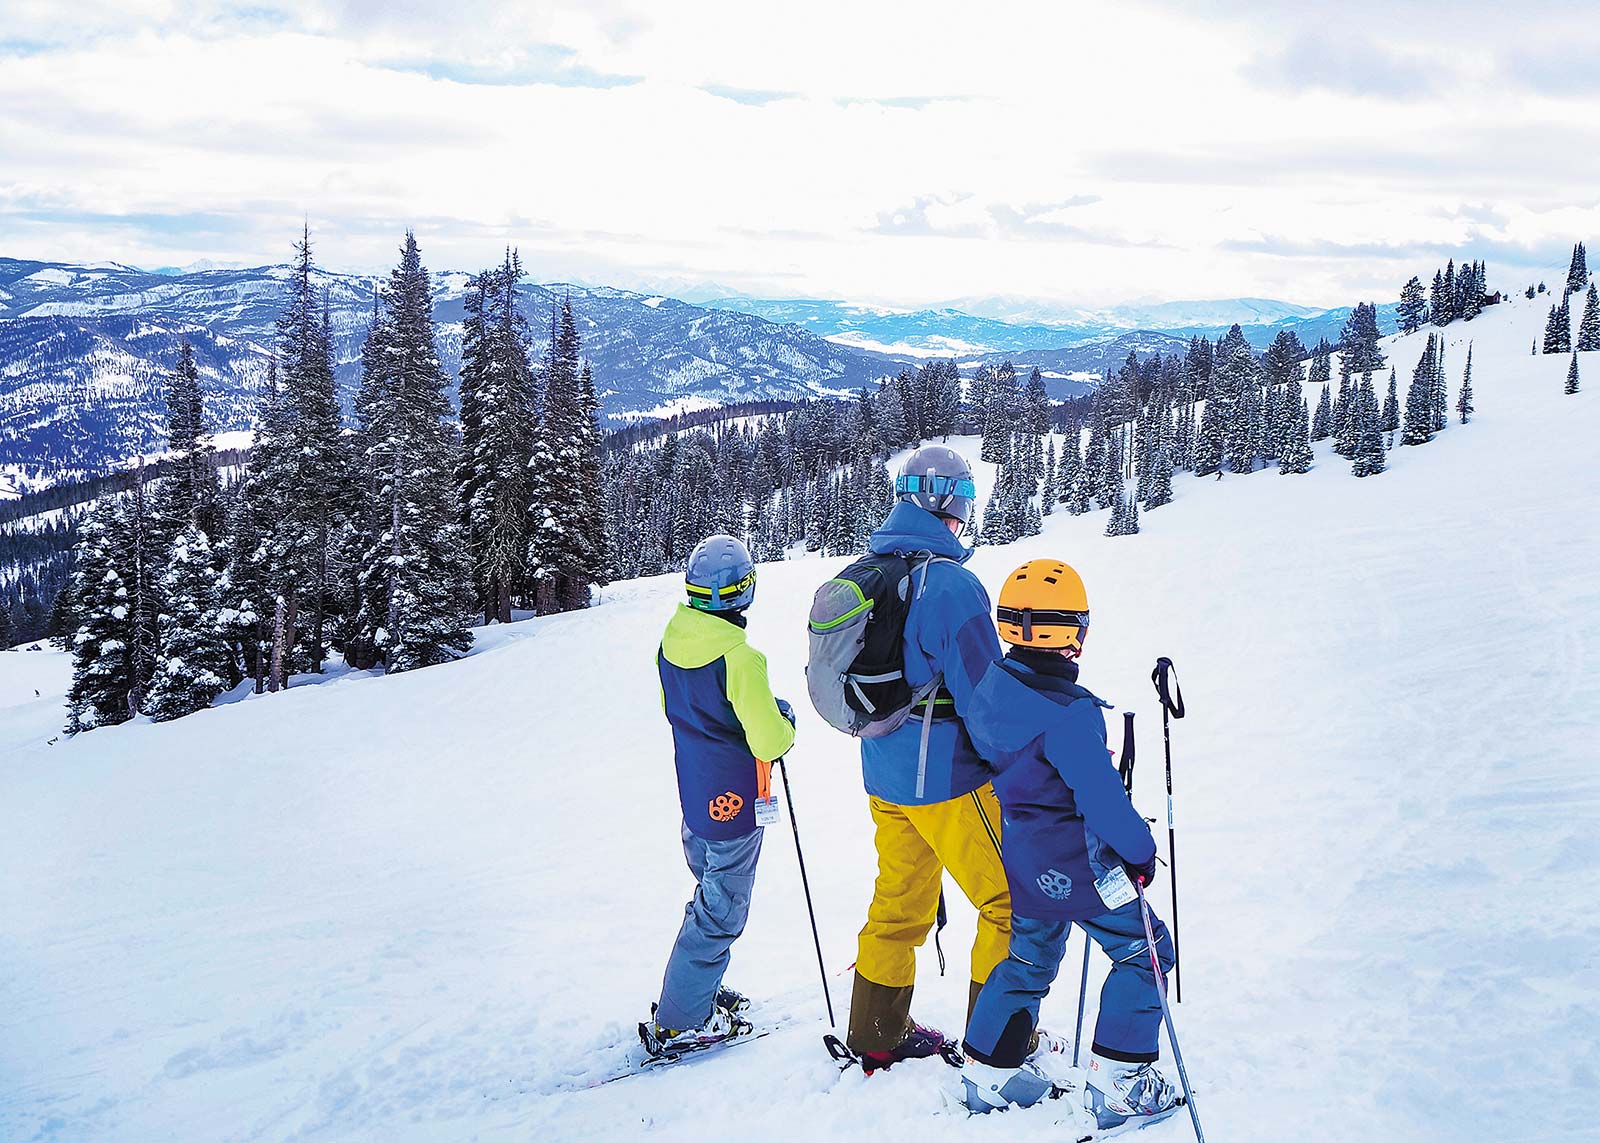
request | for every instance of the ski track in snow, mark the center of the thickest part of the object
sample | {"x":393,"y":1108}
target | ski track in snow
{"x":433,"y":907}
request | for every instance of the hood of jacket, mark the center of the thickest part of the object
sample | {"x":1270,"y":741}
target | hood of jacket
{"x":909,"y":528}
{"x":697,"y":638}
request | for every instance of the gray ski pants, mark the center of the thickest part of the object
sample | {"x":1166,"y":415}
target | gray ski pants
{"x":712,"y":921}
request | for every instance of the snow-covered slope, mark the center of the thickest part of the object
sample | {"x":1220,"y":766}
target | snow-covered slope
{"x":431,"y":907}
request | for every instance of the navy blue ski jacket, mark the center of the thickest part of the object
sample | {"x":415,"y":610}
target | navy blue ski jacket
{"x":1067,"y":822}
{"x":948,"y":629}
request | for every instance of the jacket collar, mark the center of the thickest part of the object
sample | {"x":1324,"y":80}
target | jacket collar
{"x":696,"y":638}
{"x":910,"y":528}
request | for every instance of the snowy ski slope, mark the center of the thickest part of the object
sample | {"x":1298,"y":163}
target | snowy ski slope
{"x":432,"y":907}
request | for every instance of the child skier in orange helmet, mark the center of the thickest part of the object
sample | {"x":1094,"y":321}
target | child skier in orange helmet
{"x":1073,"y":845}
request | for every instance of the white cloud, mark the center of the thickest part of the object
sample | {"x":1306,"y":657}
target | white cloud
{"x":840,"y":149}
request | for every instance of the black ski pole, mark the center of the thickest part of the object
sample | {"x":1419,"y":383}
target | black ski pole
{"x":1165,"y":678}
{"x":806,"y":885}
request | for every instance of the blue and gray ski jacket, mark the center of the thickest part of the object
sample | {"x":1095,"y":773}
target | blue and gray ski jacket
{"x":715,"y":693}
{"x":1067,"y":822}
{"x":949,"y":631}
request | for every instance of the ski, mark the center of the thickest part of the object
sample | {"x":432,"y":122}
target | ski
{"x":1135,"y":1123}
{"x":650,"y":1063}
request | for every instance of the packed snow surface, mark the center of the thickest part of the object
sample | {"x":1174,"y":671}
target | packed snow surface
{"x":432,"y":907}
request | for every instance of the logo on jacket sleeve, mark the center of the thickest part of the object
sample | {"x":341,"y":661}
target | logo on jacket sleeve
{"x":1055,"y":884}
{"x":725,"y":807}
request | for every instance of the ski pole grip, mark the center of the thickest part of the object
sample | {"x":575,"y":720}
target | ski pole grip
{"x":1165,"y":678}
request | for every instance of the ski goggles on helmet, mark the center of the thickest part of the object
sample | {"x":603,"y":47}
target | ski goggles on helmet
{"x":718,"y":596}
{"x":1028,"y":618}
{"x":936,"y":486}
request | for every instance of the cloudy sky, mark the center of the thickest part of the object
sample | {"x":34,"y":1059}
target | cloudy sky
{"x":903,"y":153}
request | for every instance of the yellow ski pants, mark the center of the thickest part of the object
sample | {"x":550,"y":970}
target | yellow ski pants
{"x":915,"y":845}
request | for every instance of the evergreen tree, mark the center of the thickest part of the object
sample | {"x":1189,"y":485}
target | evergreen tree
{"x":1589,"y":324}
{"x":1441,"y":392}
{"x":1464,"y":401}
{"x":1160,"y":486}
{"x":302,"y":483}
{"x":413,"y":572}
{"x":1412,"y":303}
{"x":1418,"y":426}
{"x":194,"y":663}
{"x":1558,"y":328}
{"x":1369,"y":458}
{"x":1073,"y":478}
{"x":891,"y":419}
{"x":1047,"y":502}
{"x":192,"y":487}
{"x":1448,"y":314}
{"x":1440,"y":300}
{"x":1578,"y":270}
{"x":497,"y":420}
{"x":1572,"y":375}
{"x":1296,"y":456}
{"x":1322,"y":427}
{"x":102,"y":678}
{"x":1390,"y":421}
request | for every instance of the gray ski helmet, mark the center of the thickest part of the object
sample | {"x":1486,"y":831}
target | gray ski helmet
{"x":938,"y":479}
{"x":721,"y":576}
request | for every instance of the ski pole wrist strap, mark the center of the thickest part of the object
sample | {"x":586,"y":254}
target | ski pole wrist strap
{"x":1165,"y":678}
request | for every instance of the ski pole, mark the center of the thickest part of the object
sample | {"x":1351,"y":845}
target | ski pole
{"x":1166,"y":1010}
{"x":1165,"y":679}
{"x":806,"y":885}
{"x":1083,"y":988}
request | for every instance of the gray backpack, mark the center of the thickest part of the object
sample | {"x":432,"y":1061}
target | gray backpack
{"x":856,"y":669}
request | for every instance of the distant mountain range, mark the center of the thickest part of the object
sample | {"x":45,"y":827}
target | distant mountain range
{"x":976,"y":328}
{"x":84,"y":348}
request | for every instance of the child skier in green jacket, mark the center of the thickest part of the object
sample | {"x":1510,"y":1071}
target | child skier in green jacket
{"x":726,"y":726}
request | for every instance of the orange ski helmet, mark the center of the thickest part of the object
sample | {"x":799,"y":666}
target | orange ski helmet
{"x":1043,"y":604}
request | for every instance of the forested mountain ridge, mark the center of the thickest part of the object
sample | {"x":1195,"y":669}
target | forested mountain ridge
{"x":83,"y":348}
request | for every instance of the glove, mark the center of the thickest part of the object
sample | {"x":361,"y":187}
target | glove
{"x":1145,"y":872}
{"x":786,"y":710}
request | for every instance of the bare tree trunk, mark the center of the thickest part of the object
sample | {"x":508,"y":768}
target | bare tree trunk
{"x":392,"y":616}
{"x":291,"y":615}
{"x":503,"y":602}
{"x":321,"y":603}
{"x":275,"y":680}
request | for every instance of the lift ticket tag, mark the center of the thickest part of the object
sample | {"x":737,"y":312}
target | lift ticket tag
{"x":1114,"y":888}
{"x":766,"y":800}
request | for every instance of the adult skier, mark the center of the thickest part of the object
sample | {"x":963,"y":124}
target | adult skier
{"x":725,"y":726}
{"x":932,"y":806}
{"x":1074,"y":847}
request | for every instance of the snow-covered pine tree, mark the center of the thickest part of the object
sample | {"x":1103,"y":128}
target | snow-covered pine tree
{"x":1418,"y":426}
{"x":102,"y":678}
{"x":414,"y":581}
{"x":1369,"y":458}
{"x":302,"y":486}
{"x":1578,"y":269}
{"x":891,"y":418}
{"x":1131,"y":523}
{"x":1390,"y":420}
{"x":1117,"y":524}
{"x":1296,"y":455}
{"x":1448,"y":313}
{"x":497,"y":420}
{"x":1347,"y":419}
{"x":1322,"y":426}
{"x":192,"y":488}
{"x":1000,"y":414}
{"x":1464,"y":401}
{"x":1412,"y":302}
{"x":1439,"y":301}
{"x":1558,"y":328}
{"x":1589,"y":324}
{"x":1047,"y":502}
{"x":1035,"y":413}
{"x":1572,"y":375}
{"x":1159,"y":491}
{"x":193,"y":665}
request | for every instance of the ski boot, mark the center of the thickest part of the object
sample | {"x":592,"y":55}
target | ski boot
{"x":1052,"y":1056}
{"x":720,"y":1025}
{"x":1117,"y":1091}
{"x":985,"y":1087}
{"x":735,"y":1002}
{"x":919,"y":1043}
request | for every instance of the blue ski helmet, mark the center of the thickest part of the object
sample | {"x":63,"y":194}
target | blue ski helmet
{"x":938,"y":479}
{"x":721,"y":576}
